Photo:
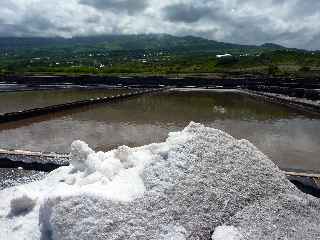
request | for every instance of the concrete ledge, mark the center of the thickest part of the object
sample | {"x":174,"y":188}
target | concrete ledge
{"x":33,"y":157}
{"x":15,"y":116}
{"x":306,"y":105}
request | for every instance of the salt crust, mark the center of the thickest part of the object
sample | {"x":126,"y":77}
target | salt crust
{"x":200,"y":182}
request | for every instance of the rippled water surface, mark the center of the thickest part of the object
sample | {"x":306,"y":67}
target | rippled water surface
{"x":290,"y":137}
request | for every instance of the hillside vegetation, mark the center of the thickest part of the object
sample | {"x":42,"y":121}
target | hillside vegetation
{"x":149,"y":54}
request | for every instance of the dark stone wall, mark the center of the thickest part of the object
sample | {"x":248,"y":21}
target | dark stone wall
{"x":295,"y":87}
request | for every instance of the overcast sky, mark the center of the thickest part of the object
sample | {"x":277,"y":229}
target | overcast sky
{"x":293,"y":23}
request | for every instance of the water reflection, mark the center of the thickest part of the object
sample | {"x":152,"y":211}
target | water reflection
{"x":291,"y":138}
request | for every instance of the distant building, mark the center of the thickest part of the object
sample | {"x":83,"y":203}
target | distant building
{"x":224,"y":55}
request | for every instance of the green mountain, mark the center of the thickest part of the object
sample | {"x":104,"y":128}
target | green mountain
{"x":131,"y":43}
{"x":272,"y":46}
{"x":149,"y":54}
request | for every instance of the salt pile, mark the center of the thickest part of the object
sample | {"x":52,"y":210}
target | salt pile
{"x":199,"y":184}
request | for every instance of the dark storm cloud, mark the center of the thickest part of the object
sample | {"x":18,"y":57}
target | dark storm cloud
{"x":131,"y":6}
{"x":250,"y":21}
{"x":29,"y":27}
{"x":93,"y":19}
{"x":185,"y":13}
{"x":306,"y":7}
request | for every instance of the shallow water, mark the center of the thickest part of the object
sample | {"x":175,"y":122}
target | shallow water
{"x":291,"y":138}
{"x":18,"y":101}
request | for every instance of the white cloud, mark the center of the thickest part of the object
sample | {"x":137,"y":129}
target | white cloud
{"x":293,"y":23}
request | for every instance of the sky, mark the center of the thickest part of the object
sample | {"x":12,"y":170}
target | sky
{"x":292,"y":23}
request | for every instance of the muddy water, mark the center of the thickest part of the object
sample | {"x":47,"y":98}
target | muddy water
{"x":291,"y":138}
{"x":18,"y":101}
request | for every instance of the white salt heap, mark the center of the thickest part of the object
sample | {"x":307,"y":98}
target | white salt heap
{"x":199,"y":184}
{"x":226,"y":233}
